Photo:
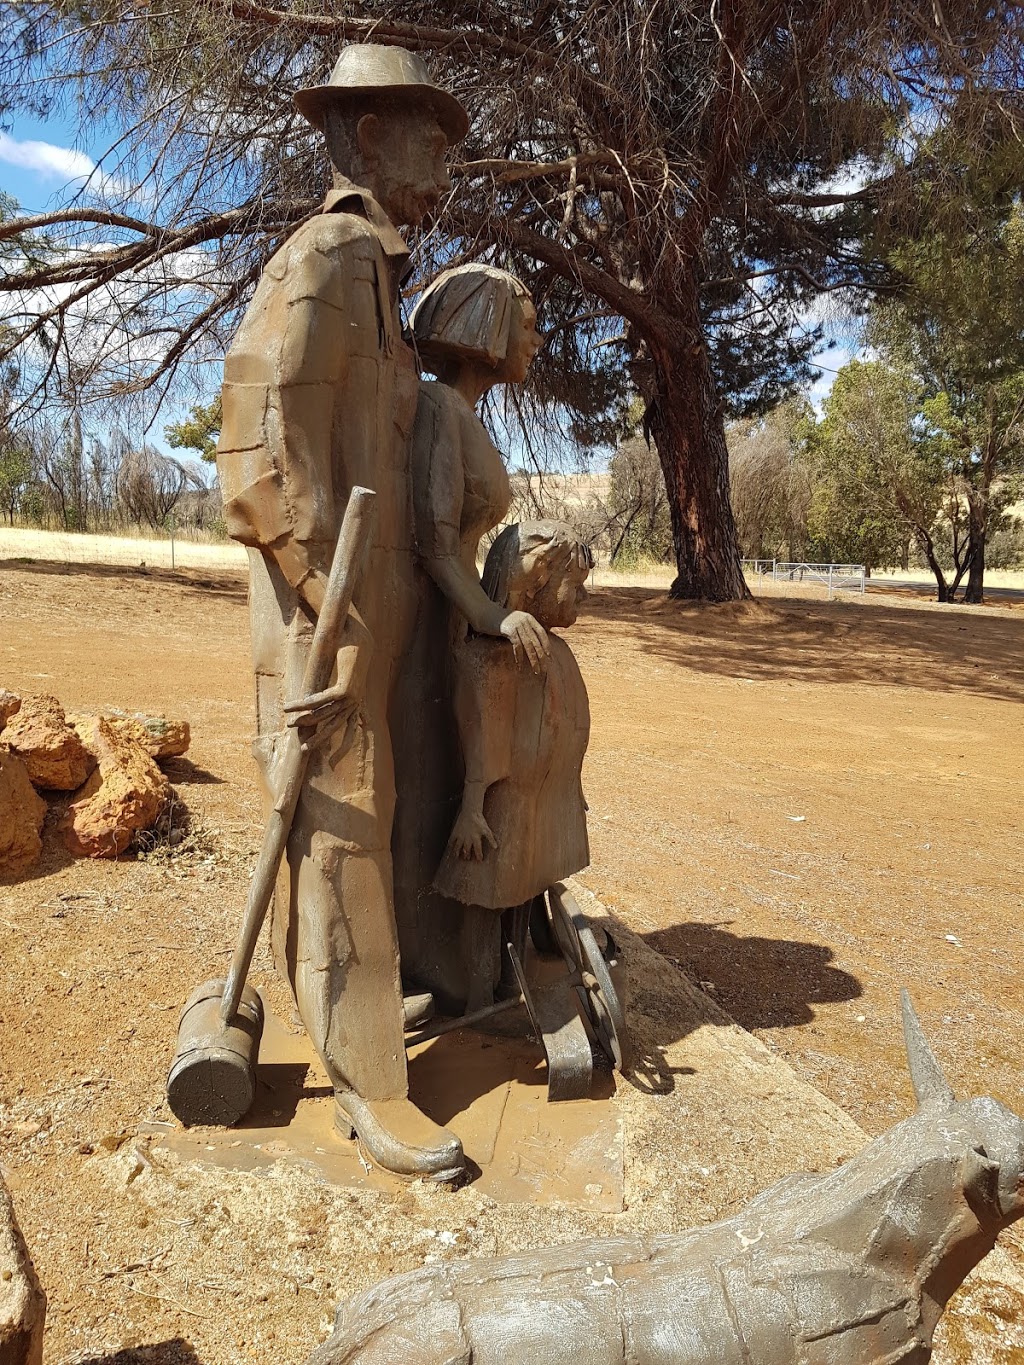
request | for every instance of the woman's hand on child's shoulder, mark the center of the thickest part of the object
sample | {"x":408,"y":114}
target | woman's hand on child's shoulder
{"x":528,"y":637}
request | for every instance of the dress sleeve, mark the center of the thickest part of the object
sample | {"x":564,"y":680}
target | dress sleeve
{"x":438,"y":476}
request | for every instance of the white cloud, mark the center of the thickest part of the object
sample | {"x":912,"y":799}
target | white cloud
{"x":69,"y":167}
{"x":54,"y":163}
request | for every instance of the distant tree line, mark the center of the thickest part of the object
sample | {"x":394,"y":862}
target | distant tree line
{"x":63,"y":479}
{"x":917,"y":456}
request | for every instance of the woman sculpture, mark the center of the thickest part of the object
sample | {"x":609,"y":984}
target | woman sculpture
{"x":474,"y":327}
{"x":522,"y":825}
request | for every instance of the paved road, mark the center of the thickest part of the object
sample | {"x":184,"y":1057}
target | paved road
{"x":993,"y":594}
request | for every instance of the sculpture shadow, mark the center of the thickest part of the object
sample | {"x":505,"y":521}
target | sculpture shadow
{"x":760,"y":982}
{"x":811,"y":641}
{"x":176,"y":1351}
{"x":459,"y":1068}
{"x":279,"y":1088}
{"x":648,"y":1070}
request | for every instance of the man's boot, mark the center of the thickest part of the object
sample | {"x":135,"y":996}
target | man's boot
{"x":398,"y":1137}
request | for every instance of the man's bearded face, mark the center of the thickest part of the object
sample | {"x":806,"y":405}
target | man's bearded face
{"x":408,"y":167}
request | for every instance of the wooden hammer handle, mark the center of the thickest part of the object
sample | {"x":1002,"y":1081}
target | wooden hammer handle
{"x":348,"y":563}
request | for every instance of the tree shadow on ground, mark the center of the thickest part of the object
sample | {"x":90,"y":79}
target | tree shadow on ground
{"x":760,"y":982}
{"x":995,"y":594}
{"x":177,"y":1351}
{"x":233,"y":586}
{"x":769,"y":640}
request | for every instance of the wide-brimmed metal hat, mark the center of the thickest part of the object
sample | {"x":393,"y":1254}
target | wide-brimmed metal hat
{"x":365,"y":70}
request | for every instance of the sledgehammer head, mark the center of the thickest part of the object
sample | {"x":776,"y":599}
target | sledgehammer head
{"x":213,"y":1077}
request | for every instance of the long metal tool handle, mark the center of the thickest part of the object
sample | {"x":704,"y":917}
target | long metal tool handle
{"x":292,"y":761}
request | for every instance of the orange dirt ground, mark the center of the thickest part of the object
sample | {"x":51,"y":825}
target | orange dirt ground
{"x":805,"y":805}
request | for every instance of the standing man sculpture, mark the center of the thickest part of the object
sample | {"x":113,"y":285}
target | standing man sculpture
{"x":320,"y":395}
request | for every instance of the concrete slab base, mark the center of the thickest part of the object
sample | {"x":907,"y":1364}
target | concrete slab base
{"x":490,"y":1091}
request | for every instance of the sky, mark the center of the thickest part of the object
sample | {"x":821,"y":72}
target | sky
{"x":42,"y":166}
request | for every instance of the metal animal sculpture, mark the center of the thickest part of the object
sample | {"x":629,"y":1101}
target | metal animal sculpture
{"x":850,"y":1268}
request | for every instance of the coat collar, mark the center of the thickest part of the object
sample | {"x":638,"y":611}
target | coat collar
{"x":392,"y":242}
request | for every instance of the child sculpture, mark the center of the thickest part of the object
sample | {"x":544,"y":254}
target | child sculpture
{"x":522,"y":824}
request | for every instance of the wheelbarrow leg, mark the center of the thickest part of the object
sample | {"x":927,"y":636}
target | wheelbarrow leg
{"x":560,"y":1031}
{"x":565,"y":1040}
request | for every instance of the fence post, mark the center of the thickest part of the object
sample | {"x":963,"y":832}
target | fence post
{"x":170,"y":522}
{"x":829,"y":598}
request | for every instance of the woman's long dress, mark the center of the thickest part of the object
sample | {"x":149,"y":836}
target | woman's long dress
{"x":460,"y":491}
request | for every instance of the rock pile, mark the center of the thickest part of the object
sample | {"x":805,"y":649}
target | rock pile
{"x":125,"y":793}
{"x":50,"y":748}
{"x":108,"y":760}
{"x":21,"y":816}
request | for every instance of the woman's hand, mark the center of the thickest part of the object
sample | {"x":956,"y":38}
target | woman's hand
{"x":468,"y":836}
{"x":528,"y":637}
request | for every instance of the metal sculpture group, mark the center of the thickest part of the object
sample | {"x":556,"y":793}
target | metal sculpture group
{"x":421,"y":732}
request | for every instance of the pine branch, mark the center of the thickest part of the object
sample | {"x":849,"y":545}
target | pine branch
{"x":417,"y":37}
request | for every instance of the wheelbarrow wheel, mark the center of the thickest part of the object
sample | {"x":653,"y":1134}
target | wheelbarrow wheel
{"x":598,"y":994}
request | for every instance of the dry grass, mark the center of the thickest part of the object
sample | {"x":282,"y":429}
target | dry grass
{"x":66,"y":547}
{"x":994,"y":578}
{"x":58,"y":547}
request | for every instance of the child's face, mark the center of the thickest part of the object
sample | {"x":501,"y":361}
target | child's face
{"x":557,"y":603}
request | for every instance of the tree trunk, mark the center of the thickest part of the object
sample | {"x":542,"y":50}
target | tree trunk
{"x":962,"y":568}
{"x":927,"y":545}
{"x":975,"y":590}
{"x":684,"y":417}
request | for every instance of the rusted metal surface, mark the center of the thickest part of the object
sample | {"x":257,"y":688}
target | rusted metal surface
{"x":319,"y":397}
{"x":566,"y":1042}
{"x":212,"y":1077}
{"x":597,"y":976}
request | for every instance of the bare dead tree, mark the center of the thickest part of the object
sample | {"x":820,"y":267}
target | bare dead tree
{"x":676,"y":180}
{"x":150,"y":485}
{"x":638,"y":502}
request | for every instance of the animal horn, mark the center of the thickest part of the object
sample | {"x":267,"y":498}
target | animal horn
{"x":930,"y":1084}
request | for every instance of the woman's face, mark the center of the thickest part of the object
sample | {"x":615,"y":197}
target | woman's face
{"x":523,"y":344}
